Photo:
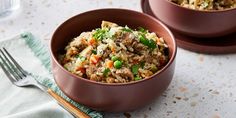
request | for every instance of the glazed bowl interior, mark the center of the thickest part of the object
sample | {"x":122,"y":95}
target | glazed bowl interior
{"x":104,"y":96}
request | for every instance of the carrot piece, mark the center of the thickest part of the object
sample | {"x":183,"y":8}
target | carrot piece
{"x":109,"y":64}
{"x":158,"y":40}
{"x":84,"y":41}
{"x":94,"y":59}
{"x":82,"y":70}
{"x":91,"y":41}
{"x":113,"y":49}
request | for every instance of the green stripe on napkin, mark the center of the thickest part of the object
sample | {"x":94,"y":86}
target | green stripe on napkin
{"x":42,"y":52}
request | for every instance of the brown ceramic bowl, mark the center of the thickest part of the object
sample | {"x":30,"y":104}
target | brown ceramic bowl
{"x":194,"y":22}
{"x":111,"y":97}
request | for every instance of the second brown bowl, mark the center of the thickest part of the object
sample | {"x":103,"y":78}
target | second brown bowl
{"x":194,"y":22}
{"x":111,"y":97}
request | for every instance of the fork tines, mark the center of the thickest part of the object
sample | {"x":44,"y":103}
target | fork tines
{"x":10,"y":67}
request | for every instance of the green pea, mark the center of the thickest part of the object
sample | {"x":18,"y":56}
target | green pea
{"x":114,"y":58}
{"x":117,"y":64}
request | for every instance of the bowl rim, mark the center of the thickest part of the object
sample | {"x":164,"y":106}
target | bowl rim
{"x":171,"y":60}
{"x":204,"y":11}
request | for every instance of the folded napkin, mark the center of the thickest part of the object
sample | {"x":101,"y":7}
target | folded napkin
{"x":41,"y":52}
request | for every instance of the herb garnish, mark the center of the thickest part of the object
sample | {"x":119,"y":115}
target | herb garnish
{"x":100,"y":34}
{"x":134,"y":69}
{"x":106,"y":71}
{"x":94,"y":51}
{"x":127,"y":29}
{"x":141,"y":29}
{"x":150,"y":43}
{"x":137,"y":78}
{"x":82,"y":58}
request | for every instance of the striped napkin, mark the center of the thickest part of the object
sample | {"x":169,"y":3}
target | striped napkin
{"x":41,"y":52}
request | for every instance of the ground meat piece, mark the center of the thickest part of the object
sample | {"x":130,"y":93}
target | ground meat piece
{"x":125,"y":72}
{"x":151,"y":67}
{"x":118,"y":78}
{"x":106,"y":54}
{"x":79,"y":43}
{"x":222,"y":4}
{"x":120,"y":81}
{"x":138,"y":58}
{"x":226,"y":2}
{"x":65,"y":60}
{"x":138,"y":47}
{"x":163,"y":60}
{"x":127,"y":40}
{"x":130,"y":49}
{"x":123,"y":55}
{"x":110,"y":80}
{"x":91,"y":70}
{"x":130,"y":55}
{"x":145,"y":73}
{"x":149,"y":58}
{"x":71,"y":52}
{"x":135,"y":59}
{"x":96,"y":77}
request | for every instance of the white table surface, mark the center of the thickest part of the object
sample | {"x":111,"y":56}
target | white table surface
{"x":204,"y":86}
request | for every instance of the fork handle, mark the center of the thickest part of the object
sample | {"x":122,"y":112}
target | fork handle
{"x":68,"y":106}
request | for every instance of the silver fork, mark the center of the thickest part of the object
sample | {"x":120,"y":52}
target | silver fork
{"x":21,"y":78}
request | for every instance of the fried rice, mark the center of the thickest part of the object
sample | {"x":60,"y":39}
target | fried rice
{"x":206,"y":4}
{"x":115,"y":54}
